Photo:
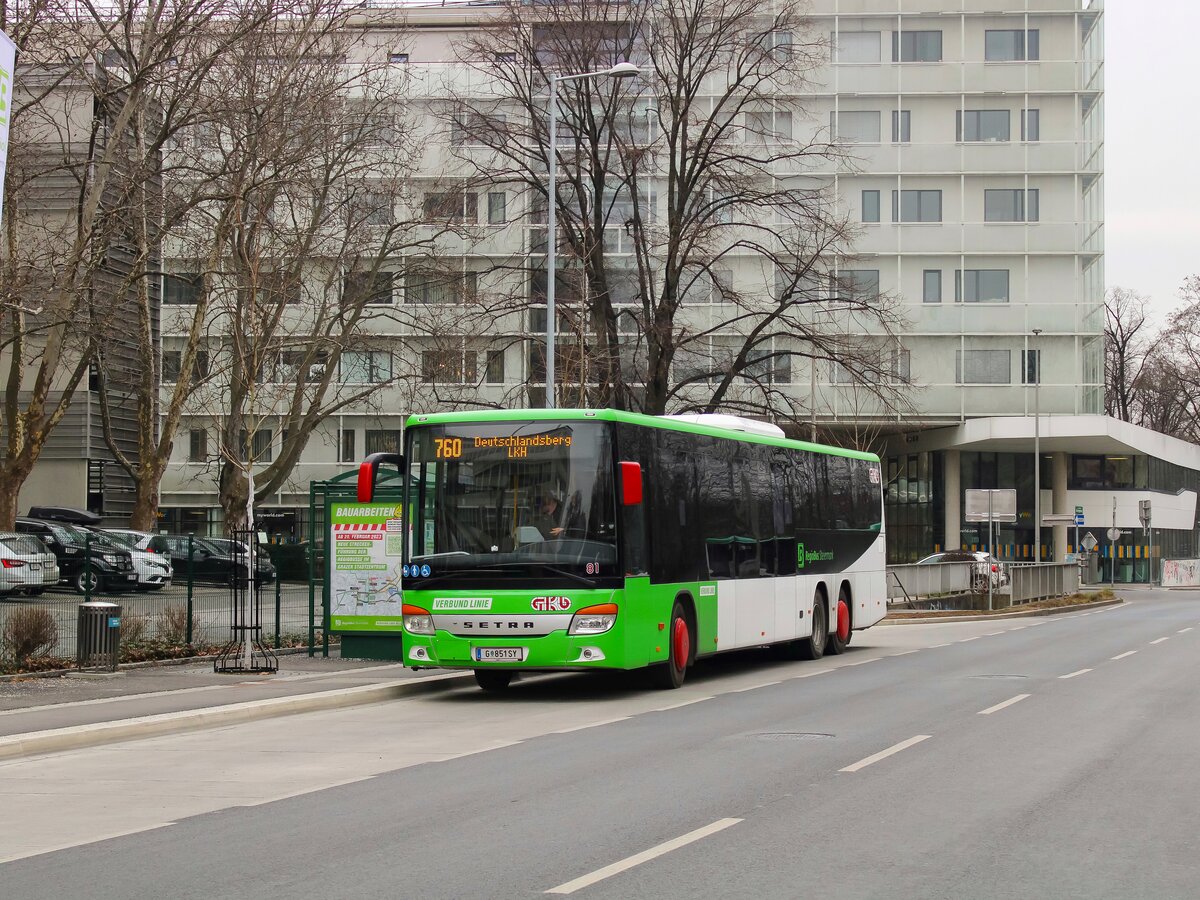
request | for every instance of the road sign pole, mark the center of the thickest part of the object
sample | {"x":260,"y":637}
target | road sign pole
{"x":1112,"y":548}
{"x":991,"y":555}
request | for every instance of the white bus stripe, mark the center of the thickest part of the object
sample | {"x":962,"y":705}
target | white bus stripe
{"x":884,"y":754}
{"x":637,"y":859}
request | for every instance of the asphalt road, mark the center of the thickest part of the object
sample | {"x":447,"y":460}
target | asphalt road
{"x":1053,"y":758}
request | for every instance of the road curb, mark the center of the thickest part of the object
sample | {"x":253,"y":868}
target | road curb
{"x":76,"y":737}
{"x":1023,"y":614}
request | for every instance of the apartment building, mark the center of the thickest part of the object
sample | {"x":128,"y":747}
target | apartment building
{"x":973,"y":133}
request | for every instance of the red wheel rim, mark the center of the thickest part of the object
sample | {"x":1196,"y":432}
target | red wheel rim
{"x":843,"y":622}
{"x":682,"y":644}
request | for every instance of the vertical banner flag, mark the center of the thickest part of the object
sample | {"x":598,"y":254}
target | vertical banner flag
{"x":8,"y":62}
{"x":365,"y":545}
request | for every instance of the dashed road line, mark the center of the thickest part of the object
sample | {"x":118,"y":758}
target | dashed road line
{"x":1123,"y":655}
{"x":1184,"y":630}
{"x":993,"y":633}
{"x":935,"y":646}
{"x":999,"y":706}
{"x":1160,"y":640}
{"x":964,"y":640}
{"x":637,"y":859}
{"x":1073,"y":674}
{"x":884,"y":754}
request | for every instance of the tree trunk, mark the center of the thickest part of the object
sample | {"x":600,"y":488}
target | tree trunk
{"x":145,"y":499}
{"x":233,"y":497}
{"x":10,"y":487}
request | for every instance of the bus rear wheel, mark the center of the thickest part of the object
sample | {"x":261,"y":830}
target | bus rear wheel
{"x":839,"y":633}
{"x":493,"y":680}
{"x":670,"y":675}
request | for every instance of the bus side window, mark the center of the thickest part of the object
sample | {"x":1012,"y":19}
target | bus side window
{"x":716,"y":504}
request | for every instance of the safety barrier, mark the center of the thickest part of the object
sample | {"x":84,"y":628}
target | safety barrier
{"x":912,"y":581}
{"x":1039,"y":581}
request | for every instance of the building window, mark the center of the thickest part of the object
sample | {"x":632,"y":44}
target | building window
{"x":1014,"y":45}
{"x":497,"y":208}
{"x":901,"y":126}
{"x":856,"y":46}
{"x":495,"y":367}
{"x":983,"y":366}
{"x":448,"y":366}
{"x":182,"y":288}
{"x":981,"y":286}
{"x":1031,"y":367}
{"x":1016,"y":205}
{"x":172,"y":365}
{"x":901,"y":367}
{"x":506,"y":56}
{"x":916,"y":46}
{"x":764,"y":366}
{"x":851,"y":284}
{"x":1031,"y":125}
{"x":383,"y":440}
{"x":264,"y":450}
{"x":367,"y":287}
{"x":931,"y":286}
{"x":769,"y":126}
{"x":781,"y":43}
{"x":441,"y":288}
{"x":454,"y":207}
{"x":365,"y":366}
{"x":855,"y":126}
{"x":346,"y":446}
{"x":982,"y":125}
{"x":916,"y":206}
{"x":870,"y":206}
{"x":198,"y":445}
{"x":370,"y":208}
{"x":397,"y":57}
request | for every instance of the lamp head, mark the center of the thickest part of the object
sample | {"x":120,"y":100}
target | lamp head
{"x":623,"y":70}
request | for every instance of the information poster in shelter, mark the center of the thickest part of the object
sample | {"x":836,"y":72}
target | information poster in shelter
{"x":365,"y":546}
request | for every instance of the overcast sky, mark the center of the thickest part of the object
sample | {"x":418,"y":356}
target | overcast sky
{"x":1152,"y":147}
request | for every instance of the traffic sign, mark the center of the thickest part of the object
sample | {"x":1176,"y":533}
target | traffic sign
{"x":1089,"y":542}
{"x":1078,"y":517}
{"x":1114,"y":534}
{"x":1079,"y":510}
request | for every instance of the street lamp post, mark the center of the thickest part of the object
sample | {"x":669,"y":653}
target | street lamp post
{"x":620,"y":70}
{"x":1037,"y":448}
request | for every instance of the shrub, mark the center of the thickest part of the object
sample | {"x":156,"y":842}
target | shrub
{"x":133,"y":629}
{"x":28,"y":633}
{"x":172,"y":625}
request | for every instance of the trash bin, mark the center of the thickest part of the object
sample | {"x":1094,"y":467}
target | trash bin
{"x":99,"y":635}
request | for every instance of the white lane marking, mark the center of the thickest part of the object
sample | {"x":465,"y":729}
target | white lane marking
{"x":861,"y":662}
{"x":1123,"y":655}
{"x":591,"y":725}
{"x":637,"y":859}
{"x":1018,"y":627}
{"x":935,"y":646}
{"x":884,"y":754}
{"x":754,"y":687}
{"x":906,"y":652}
{"x":1073,"y":674}
{"x":999,"y":706}
{"x":964,"y":640}
{"x":1184,"y":630}
{"x":993,"y":633}
{"x":1159,"y":641}
{"x":677,"y":705}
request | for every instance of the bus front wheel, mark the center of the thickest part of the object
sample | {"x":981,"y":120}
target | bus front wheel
{"x":670,"y":675}
{"x":493,"y":680}
{"x":813,"y":647}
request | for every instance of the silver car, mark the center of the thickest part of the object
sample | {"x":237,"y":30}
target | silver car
{"x":25,"y":564}
{"x":154,"y":571}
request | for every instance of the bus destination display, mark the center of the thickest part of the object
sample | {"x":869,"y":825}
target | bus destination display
{"x":516,"y":446}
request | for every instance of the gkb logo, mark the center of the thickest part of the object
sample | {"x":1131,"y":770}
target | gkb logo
{"x":551,"y":604}
{"x":799,"y":556}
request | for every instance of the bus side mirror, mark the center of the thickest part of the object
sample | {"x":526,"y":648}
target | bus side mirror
{"x":631,"y":483}
{"x":368,"y":470}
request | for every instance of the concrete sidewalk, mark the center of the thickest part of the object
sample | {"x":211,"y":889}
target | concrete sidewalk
{"x":45,"y":714}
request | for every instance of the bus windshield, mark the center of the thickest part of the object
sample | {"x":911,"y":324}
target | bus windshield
{"x":513,"y":503}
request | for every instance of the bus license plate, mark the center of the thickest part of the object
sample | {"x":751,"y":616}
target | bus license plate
{"x":500,"y":654}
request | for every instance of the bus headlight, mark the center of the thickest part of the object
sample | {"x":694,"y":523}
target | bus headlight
{"x":594,"y":619}
{"x":417,"y":620}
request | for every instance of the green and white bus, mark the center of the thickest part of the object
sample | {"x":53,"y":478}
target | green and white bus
{"x":587,"y":539}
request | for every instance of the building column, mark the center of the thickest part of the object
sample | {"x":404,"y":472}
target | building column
{"x":952,"y":500}
{"x":1058,"y":476}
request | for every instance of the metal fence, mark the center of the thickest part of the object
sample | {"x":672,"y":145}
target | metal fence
{"x":195,"y":608}
{"x":913,"y":581}
{"x":1040,"y":581}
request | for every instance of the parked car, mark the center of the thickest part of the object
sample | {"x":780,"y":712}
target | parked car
{"x":209,"y":562}
{"x":26,"y":565}
{"x":153,"y":569}
{"x":984,"y":565}
{"x":109,"y":567}
{"x":262,"y":561}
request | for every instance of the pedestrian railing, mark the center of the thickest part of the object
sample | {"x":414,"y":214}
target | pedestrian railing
{"x":1040,"y":581}
{"x":909,"y":582}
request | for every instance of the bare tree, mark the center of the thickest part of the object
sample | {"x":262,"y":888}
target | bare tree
{"x":1127,"y":342}
{"x":703,"y":246}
